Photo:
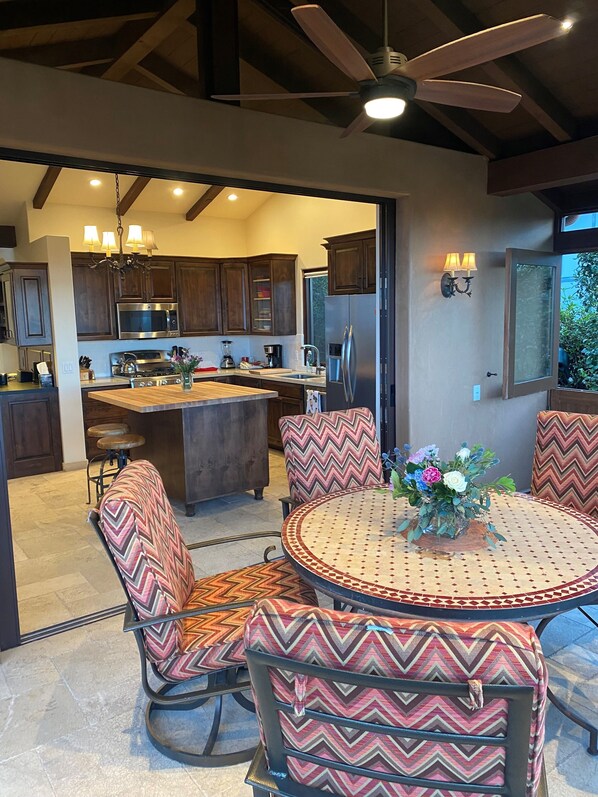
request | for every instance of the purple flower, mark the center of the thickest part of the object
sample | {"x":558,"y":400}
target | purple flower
{"x":427,"y":452}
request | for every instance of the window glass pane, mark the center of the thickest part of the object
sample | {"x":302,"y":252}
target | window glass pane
{"x":534,"y":326}
{"x":579,"y":221}
{"x":316,"y":288}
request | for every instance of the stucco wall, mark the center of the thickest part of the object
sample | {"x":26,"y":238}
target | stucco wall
{"x":444,"y":346}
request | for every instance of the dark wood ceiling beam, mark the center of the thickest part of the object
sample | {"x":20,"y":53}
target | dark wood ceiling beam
{"x":132,"y":194}
{"x":67,"y":55}
{"x":167,"y":76}
{"x":218,"y":47}
{"x":573,"y":162}
{"x":203,"y":202}
{"x":153,"y":36}
{"x":19,"y":14}
{"x":466,"y":128}
{"x":455,"y":21}
{"x":45,"y":186}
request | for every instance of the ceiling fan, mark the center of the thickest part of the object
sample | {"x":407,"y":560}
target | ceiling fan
{"x":387,"y":80}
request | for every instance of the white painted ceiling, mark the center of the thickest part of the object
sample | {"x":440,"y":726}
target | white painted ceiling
{"x":19,"y":182}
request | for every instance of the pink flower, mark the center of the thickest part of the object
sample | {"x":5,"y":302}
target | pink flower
{"x":431,"y":475}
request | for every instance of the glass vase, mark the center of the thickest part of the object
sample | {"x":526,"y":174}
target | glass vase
{"x":186,"y":380}
{"x":459,"y":522}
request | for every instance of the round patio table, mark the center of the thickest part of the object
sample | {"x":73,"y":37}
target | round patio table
{"x":346,"y":545}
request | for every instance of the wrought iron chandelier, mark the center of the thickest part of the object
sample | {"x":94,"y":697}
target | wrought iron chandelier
{"x":115,"y":258}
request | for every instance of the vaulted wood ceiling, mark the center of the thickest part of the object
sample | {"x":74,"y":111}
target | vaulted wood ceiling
{"x":226,"y":46}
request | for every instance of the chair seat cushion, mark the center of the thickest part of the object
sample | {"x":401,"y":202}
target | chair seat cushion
{"x":215,"y":640}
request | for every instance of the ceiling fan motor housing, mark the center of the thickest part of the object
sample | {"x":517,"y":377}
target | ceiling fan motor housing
{"x":390,"y":86}
{"x":384,"y":60}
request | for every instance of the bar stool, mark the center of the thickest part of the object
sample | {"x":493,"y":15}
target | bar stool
{"x":102,"y":430}
{"x":117,"y":447}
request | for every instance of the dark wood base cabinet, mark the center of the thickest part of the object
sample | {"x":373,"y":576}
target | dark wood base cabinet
{"x":95,"y":412}
{"x":31,"y":424}
{"x":289,"y":401}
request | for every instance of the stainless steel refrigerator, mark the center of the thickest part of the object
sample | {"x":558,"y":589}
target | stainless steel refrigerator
{"x":351,"y":352}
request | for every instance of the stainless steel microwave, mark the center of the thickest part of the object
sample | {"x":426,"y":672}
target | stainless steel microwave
{"x":147,"y":320}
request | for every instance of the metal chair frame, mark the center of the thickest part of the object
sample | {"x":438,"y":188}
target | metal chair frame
{"x":274,"y":779}
{"x":227,"y":681}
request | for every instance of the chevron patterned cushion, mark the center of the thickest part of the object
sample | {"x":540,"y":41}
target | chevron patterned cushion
{"x":565,"y":467}
{"x":213,"y":641}
{"x":493,"y":653}
{"x":330,"y":451}
{"x":153,"y":560}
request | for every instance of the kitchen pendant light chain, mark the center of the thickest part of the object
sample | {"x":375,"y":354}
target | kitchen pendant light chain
{"x":119,"y":225}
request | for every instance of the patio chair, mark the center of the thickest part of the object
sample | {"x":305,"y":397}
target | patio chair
{"x":185,"y":628}
{"x":565,"y":466}
{"x":328,"y":452}
{"x":357,"y":705}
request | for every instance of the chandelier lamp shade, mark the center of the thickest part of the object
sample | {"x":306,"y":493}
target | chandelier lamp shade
{"x":141,"y":243}
{"x":449,"y":284}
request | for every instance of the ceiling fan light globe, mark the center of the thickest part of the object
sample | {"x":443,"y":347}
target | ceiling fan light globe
{"x":384,"y":107}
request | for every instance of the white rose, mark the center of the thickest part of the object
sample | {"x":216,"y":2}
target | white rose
{"x":455,"y":480}
{"x":463,"y":454}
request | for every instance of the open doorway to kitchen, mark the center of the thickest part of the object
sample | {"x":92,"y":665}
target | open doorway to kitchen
{"x":55,"y":573}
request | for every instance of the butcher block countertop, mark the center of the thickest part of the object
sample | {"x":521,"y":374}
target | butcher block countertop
{"x":172,"y":397}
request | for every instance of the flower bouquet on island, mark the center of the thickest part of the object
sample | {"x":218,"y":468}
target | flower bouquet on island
{"x":185,"y":364}
{"x":448,"y":494}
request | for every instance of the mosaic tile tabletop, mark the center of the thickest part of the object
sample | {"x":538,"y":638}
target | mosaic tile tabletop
{"x":348,"y":542}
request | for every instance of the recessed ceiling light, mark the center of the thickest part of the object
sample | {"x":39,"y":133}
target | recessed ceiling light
{"x":178,"y":191}
{"x":567,"y":24}
{"x":232,"y":197}
{"x":95,"y":182}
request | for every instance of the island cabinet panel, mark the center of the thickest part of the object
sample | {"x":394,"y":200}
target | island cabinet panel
{"x":235,"y":298}
{"x":352,"y":263}
{"x":95,"y":412}
{"x":31,"y":425}
{"x":198,"y":285}
{"x":26,"y":304}
{"x":94,"y":300}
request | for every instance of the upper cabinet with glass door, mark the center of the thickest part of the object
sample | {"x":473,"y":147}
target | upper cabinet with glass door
{"x":272,"y":293}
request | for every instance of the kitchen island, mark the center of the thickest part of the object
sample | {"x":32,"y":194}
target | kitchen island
{"x":206,"y":442}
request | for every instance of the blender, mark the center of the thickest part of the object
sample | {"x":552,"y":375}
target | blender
{"x":227,"y":358}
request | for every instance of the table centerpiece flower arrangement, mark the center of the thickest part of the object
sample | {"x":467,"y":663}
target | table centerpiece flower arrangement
{"x":185,"y":364}
{"x":447,"y":494}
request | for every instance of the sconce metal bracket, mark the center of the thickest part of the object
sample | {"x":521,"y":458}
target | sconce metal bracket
{"x":449,"y":286}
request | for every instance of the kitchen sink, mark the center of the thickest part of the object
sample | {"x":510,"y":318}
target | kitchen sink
{"x":301,"y":376}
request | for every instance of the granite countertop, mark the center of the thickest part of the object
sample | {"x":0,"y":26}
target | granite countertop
{"x":22,"y":387}
{"x":105,"y":381}
{"x":314,"y":382}
{"x":171,"y":397}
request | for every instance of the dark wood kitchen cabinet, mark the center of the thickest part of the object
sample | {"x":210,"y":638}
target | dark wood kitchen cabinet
{"x":290,"y":401}
{"x":95,"y":412}
{"x":94,"y":300}
{"x":200,"y":308}
{"x":154,"y":284}
{"x":236,"y":319}
{"x":352,"y":263}
{"x":272,"y":293}
{"x":31,"y":425}
{"x":25,"y":300}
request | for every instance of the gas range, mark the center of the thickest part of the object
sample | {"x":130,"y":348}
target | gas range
{"x":145,"y":368}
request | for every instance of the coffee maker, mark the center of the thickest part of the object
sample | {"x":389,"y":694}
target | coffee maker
{"x":273,"y":355}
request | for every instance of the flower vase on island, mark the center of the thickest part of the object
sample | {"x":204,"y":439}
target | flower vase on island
{"x":185,"y":364}
{"x":449,"y":498}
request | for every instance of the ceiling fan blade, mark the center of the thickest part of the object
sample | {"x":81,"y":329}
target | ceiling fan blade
{"x":331,"y":41}
{"x":302,"y":95}
{"x":467,"y":95}
{"x":358,"y":125}
{"x":482,"y":47}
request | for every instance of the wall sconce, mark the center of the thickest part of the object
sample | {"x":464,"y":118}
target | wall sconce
{"x":449,"y":283}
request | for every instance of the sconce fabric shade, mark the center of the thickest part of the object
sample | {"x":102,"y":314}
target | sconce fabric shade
{"x":149,"y":242}
{"x":468,"y":263}
{"x":452,"y":263}
{"x":135,"y":238}
{"x":90,"y":236}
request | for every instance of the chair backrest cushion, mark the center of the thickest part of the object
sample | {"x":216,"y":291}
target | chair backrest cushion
{"x":330,"y":451}
{"x":420,"y":650}
{"x":565,"y":467}
{"x":152,"y":558}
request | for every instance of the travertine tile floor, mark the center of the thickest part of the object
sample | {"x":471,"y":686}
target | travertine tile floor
{"x":71,"y":706}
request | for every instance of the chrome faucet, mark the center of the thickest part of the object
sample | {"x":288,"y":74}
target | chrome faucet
{"x":309,"y":348}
